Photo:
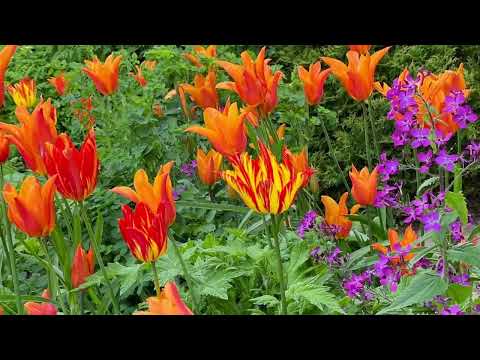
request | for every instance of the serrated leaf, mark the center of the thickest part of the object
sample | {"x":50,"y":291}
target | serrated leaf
{"x":427,"y":183}
{"x":298,"y":256}
{"x":469,"y":254}
{"x":267,"y":300}
{"x":456,"y":201}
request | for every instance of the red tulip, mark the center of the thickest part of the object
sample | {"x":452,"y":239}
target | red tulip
{"x":83,"y":266}
{"x":5,"y":57}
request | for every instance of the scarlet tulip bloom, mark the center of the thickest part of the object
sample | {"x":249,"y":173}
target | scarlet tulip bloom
{"x":32,"y":209}
{"x":5,"y":56}
{"x":361,"y":49}
{"x":253,"y":81}
{"x":263,"y":184}
{"x":298,"y":162}
{"x":226,"y":132}
{"x":44,"y":308}
{"x":76,"y":170}
{"x":34,"y":131}
{"x":104,"y":75}
{"x":313,"y":81}
{"x":208,"y":166}
{"x":169,"y":302}
{"x":144,"y":231}
{"x":203,"y":92}
{"x":138,"y":76}
{"x":149,"y":64}
{"x":337,"y":214}
{"x":209,"y":52}
{"x":83,"y":266}
{"x":60,"y":83}
{"x":364,"y":185}
{"x":4,"y":148}
{"x":155,"y":196}
{"x":358,"y":77}
{"x":24,"y":93}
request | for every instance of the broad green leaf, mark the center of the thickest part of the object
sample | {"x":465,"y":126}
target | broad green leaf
{"x":459,"y":293}
{"x":299,"y":255}
{"x":469,"y":254}
{"x":456,"y":201}
{"x":475,"y":232}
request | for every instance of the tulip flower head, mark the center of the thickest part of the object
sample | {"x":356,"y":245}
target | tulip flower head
{"x":138,"y":76}
{"x":6,"y":55}
{"x":358,"y":77}
{"x":208,"y":166}
{"x":364,"y":185}
{"x":104,"y":75}
{"x":203,"y":91}
{"x":4,"y":148}
{"x":263,"y":184}
{"x":156,"y":196}
{"x":169,"y":302}
{"x":24,"y":94}
{"x":336,"y":214}
{"x":361,"y":49}
{"x":60,"y":83}
{"x":83,"y":266}
{"x":313,"y":82}
{"x":76,"y":170}
{"x":44,"y":308}
{"x":209,"y":52}
{"x":298,"y":162}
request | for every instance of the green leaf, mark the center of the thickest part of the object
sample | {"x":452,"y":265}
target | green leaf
{"x":456,"y":201}
{"x":299,"y":255}
{"x":267,"y":300}
{"x":467,"y":253}
{"x":457,"y":179}
{"x":459,"y":293}
{"x":317,"y":295}
{"x":427,"y":183}
{"x":376,"y":229}
{"x":475,"y":231}
{"x":423,"y":287}
{"x":197,"y":204}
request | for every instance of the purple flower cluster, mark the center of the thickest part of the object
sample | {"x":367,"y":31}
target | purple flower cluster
{"x":456,"y":231}
{"x":306,"y":223}
{"x":388,"y":275}
{"x":355,"y":286}
{"x":388,"y":196}
{"x":472,"y":152}
{"x":387,"y":168}
{"x":333,"y":258}
{"x":452,"y":310}
{"x":462,"y":113}
{"x":425,"y":211}
{"x":329,"y":230}
{"x":189,"y":169}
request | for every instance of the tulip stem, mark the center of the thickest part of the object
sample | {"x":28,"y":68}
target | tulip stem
{"x":98,"y":256}
{"x":377,"y":149}
{"x":155,"y":278}
{"x":80,"y":301}
{"x":11,"y":249}
{"x":268,"y":232}
{"x":211,"y":194}
{"x":281,"y":275}
{"x":365,"y":130}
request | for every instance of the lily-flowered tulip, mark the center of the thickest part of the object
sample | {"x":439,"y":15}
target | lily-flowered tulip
{"x":364,"y":185}
{"x":208,"y":166}
{"x":44,"y":308}
{"x":298,"y":162}
{"x":6,"y":55}
{"x":76,"y":170}
{"x":32,"y":209}
{"x":209,"y":52}
{"x":4,"y":148}
{"x":104,"y":75}
{"x":313,"y":81}
{"x":24,"y":94}
{"x":83,"y":266}
{"x":169,"y":302}
{"x":358,"y":77}
{"x":149,"y":64}
{"x":60,"y":83}
{"x":156,"y":196}
{"x":34,"y":131}
{"x":263,"y":184}
{"x":138,"y":76}
{"x":144,"y":231}
{"x":203,"y":91}
{"x":336,"y":214}
{"x":361,"y":49}
{"x":253,"y":81}
{"x":226,"y":132}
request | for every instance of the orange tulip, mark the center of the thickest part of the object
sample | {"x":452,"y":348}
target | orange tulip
{"x":24,"y":94}
{"x":60,"y":83}
{"x":104,"y":75}
{"x":208,"y":166}
{"x":32,"y":210}
{"x":358,"y":77}
{"x":5,"y":56}
{"x":83,"y":266}
{"x":209,"y":52}
{"x":149,"y":64}
{"x":138,"y":76}
{"x":298,"y":162}
{"x":156,"y":195}
{"x":313,"y":81}
{"x":76,"y":170}
{"x":34,"y":131}
{"x":4,"y":148}
{"x":158,"y":111}
{"x":253,"y":81}
{"x":226,"y":132}
{"x":251,"y":115}
{"x":169,"y":302}
{"x":336,"y":214}
{"x":203,"y":92}
{"x":364,"y":185}
{"x":44,"y":308}
{"x":361,"y":49}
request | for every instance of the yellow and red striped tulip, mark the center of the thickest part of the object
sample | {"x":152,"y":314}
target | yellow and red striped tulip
{"x":24,"y":94}
{"x":263,"y":184}
{"x":336,"y":214}
{"x":169,"y":302}
{"x":208,"y":166}
{"x":32,"y":209}
{"x":226,"y":132}
{"x":4,"y":148}
{"x":298,"y":162}
{"x":203,"y":91}
{"x":253,"y":81}
{"x":138,"y":76}
{"x":83,"y":265}
{"x":5,"y":56}
{"x":60,"y":83}
{"x":313,"y":82}
{"x":358,"y":77}
{"x":144,"y":231}
{"x":34,"y":131}
{"x":209,"y":52}
{"x":104,"y":75}
{"x":76,"y":170}
{"x":43,"y":308}
{"x":156,"y":196}
{"x":361,"y":49}
{"x":364,"y":185}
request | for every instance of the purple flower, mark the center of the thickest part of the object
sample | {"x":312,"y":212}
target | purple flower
{"x":441,"y":138}
{"x":399,"y":138}
{"x":388,"y":196}
{"x":329,"y":230}
{"x":431,"y":221}
{"x":454,"y":101}
{"x":307,"y":223}
{"x":420,"y":138}
{"x":456,"y":231}
{"x":332,"y":257}
{"x":452,"y":310}
{"x":473,"y":150}
{"x":316,"y":253}
{"x":386,"y":167}
{"x":426,"y":159}
{"x":462,"y":279}
{"x":178,"y":191}
{"x":423,"y":263}
{"x":353,"y":286}
{"x":464,"y":116}
{"x":446,"y":161}
{"x":189,"y":168}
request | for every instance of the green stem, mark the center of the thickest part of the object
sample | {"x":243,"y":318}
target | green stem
{"x":211,"y":194}
{"x":155,"y":278}
{"x":80,"y":301}
{"x":367,"y":142}
{"x":98,"y":256}
{"x":377,"y":149}
{"x":11,"y":249}
{"x":281,"y":274}
{"x":417,"y":165}
{"x":370,"y":220}
{"x":459,"y":142}
{"x":268,"y":232}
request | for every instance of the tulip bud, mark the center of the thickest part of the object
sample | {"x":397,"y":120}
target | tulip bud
{"x":4,"y":149}
{"x":313,"y":184}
